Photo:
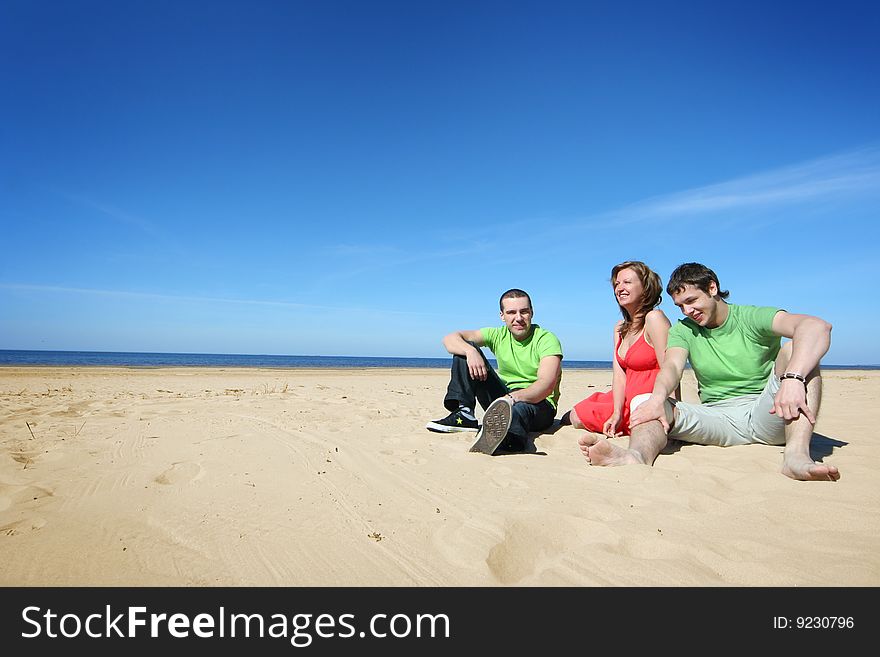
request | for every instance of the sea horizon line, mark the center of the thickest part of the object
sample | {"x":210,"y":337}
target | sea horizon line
{"x":68,"y":357}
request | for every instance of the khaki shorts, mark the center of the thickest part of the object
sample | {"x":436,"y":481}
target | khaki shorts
{"x":741,"y":420}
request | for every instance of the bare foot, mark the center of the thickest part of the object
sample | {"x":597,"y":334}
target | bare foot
{"x":803,"y":468}
{"x":586,"y":441}
{"x":599,"y":451}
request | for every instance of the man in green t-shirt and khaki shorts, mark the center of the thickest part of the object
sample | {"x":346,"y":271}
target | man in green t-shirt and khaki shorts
{"x":521,"y":397}
{"x":753,"y":389}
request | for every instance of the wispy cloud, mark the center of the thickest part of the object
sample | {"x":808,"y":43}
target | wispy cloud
{"x":124,"y":218}
{"x":175,"y":298}
{"x":347,"y":250}
{"x":381,"y":252}
{"x":118,"y":215}
{"x":838,"y":177}
{"x":356,"y":261}
{"x":831,"y":180}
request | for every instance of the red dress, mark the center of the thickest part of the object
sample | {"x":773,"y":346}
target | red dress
{"x":641,"y":368}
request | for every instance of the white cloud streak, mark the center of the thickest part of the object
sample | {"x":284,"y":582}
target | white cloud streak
{"x":117,"y":215}
{"x":835,"y":178}
{"x":831,"y":180}
{"x":365,"y":260}
{"x":123,"y":294}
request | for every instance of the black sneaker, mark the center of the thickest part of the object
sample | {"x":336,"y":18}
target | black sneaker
{"x":496,"y":422}
{"x":455,"y":421}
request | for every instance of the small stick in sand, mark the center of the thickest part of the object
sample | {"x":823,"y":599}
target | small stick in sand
{"x":31,"y":430}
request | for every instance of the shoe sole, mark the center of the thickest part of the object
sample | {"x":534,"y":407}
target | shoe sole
{"x":496,"y":422}
{"x":442,"y":428}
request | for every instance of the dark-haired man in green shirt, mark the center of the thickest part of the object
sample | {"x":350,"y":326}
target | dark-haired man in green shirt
{"x":521,"y":397}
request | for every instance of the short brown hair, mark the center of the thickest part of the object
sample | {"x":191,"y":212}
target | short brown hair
{"x":513,"y":293}
{"x":693,"y":273}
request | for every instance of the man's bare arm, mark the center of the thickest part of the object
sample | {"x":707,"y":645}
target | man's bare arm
{"x":810,"y":340}
{"x":549,"y":370}
{"x":456,"y":343}
{"x":657,"y":327}
{"x":667,"y":381}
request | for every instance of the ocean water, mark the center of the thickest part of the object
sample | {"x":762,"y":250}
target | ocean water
{"x":12,"y":357}
{"x":9,"y":357}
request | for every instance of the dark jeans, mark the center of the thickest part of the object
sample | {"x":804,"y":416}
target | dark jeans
{"x":465,"y":391}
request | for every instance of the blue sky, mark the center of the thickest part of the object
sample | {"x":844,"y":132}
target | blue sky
{"x":360,"y":178}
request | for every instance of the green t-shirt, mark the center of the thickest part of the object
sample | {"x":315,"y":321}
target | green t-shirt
{"x":518,"y":361}
{"x":734,"y":359}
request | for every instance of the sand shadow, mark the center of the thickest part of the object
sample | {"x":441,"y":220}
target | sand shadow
{"x":672,"y":446}
{"x":822,"y":446}
{"x":553,"y":428}
{"x":530,"y":449}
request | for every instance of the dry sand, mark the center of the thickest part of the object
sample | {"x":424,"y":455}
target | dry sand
{"x":247,"y":477}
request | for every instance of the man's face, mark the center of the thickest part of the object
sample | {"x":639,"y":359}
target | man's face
{"x":700,"y":306}
{"x":516,"y":314}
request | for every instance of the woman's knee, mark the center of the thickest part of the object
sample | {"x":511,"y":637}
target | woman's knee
{"x":575,"y":420}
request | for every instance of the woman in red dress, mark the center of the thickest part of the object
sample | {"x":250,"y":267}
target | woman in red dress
{"x":639,"y":348}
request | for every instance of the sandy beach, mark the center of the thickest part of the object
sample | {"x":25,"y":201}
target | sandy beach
{"x":247,"y":477}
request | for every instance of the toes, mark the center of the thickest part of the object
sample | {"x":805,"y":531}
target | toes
{"x":824,"y":473}
{"x":587,"y":440}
